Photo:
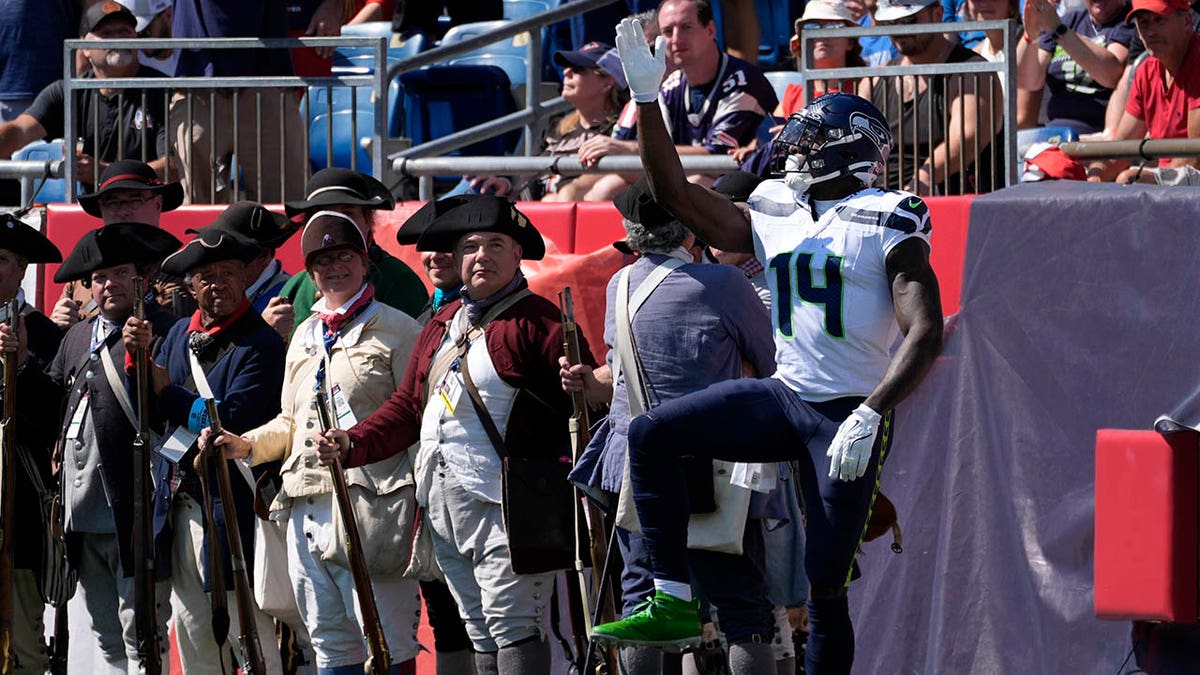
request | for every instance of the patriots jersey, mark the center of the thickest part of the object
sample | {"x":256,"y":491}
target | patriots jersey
{"x":830,"y":294}
{"x":729,"y":116}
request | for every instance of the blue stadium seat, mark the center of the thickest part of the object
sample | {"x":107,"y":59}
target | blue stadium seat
{"x":520,"y":9}
{"x":780,"y":79}
{"x":440,"y":100}
{"x":54,"y":190}
{"x":509,"y":55}
{"x":340,"y":119}
{"x":1052,"y":134}
{"x":361,"y":60}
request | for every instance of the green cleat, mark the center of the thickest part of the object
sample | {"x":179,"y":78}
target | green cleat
{"x":663,"y":621}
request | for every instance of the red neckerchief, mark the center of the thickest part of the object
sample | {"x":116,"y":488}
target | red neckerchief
{"x":220,"y":326}
{"x":334,"y":321}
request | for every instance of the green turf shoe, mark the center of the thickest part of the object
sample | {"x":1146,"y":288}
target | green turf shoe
{"x":663,"y":620}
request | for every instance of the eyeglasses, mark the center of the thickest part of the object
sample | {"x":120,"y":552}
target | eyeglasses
{"x":327,"y":259}
{"x":817,"y":25}
{"x":130,"y":202}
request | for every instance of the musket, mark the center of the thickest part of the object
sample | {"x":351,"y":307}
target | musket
{"x":380,"y":661}
{"x":8,"y":484}
{"x":252,"y":654}
{"x":144,"y":613}
{"x":598,"y":543}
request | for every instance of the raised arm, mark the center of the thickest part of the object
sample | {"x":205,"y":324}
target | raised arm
{"x":710,"y":215}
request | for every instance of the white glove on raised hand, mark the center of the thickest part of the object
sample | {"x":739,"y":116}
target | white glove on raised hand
{"x":850,"y":451}
{"x":643,"y":71}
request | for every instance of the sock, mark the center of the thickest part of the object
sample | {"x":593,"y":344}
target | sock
{"x":751,"y":657}
{"x":486,"y":664}
{"x":457,"y":662}
{"x":679,"y":589}
{"x":530,"y":657}
{"x":830,"y":637}
{"x":640,"y":661}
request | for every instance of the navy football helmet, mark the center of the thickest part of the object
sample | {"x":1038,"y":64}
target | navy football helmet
{"x":836,"y":135}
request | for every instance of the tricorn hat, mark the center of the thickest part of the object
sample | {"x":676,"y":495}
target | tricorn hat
{"x":442,"y":223}
{"x":330,"y":229}
{"x":130,"y":174}
{"x":27,"y":242}
{"x":254,"y":222}
{"x":211,"y":244}
{"x":637,"y":203}
{"x":336,"y":185}
{"x":116,"y":244}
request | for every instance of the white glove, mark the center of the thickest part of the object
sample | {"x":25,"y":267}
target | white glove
{"x":643,"y":71}
{"x":850,"y":451}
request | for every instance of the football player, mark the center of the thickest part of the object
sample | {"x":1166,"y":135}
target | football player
{"x":848,"y":268}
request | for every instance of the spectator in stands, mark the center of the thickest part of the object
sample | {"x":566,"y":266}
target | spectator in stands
{"x":154,"y":19}
{"x":127,"y":129}
{"x":876,"y":50}
{"x":712,"y":103}
{"x":991,"y":47}
{"x":359,"y":196}
{"x":1078,"y":58}
{"x":205,"y":153}
{"x":945,"y":155}
{"x":594,"y":83}
{"x":958,"y":11}
{"x":826,"y":52}
{"x":31,"y":35}
{"x":264,"y":273}
{"x":1164,"y":98}
{"x":425,"y":17}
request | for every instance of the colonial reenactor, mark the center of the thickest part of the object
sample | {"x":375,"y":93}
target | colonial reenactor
{"x":264,"y":273}
{"x":353,"y":349}
{"x":34,"y":342}
{"x":359,"y":196}
{"x":97,"y":432}
{"x":129,"y":192}
{"x":226,"y":352}
{"x":482,"y":384}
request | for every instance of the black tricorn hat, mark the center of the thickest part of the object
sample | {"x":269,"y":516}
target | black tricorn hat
{"x":442,"y":223}
{"x":116,"y":244}
{"x":636,"y":203}
{"x":737,"y":185}
{"x":254,"y":222}
{"x":336,"y":185}
{"x":210,"y":245}
{"x":27,"y":242}
{"x":130,"y":174}
{"x":330,"y":229}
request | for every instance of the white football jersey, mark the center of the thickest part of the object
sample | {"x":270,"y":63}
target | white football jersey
{"x":830,"y":295}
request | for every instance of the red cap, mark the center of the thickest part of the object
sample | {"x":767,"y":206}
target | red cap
{"x":1160,"y":7}
{"x":1051,"y":163}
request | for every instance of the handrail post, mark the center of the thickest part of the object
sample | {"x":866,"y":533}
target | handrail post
{"x":70,"y":132}
{"x":381,"y":107}
{"x":533,"y":86}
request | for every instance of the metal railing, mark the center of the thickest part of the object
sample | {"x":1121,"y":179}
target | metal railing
{"x":535,"y":112}
{"x":926,"y":73}
{"x":1146,"y":149}
{"x":29,"y":173}
{"x":563,"y":164}
{"x":168,"y":86}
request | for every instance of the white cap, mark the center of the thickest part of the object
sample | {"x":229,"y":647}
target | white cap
{"x":145,"y":10}
{"x":891,"y":10}
{"x":825,"y":10}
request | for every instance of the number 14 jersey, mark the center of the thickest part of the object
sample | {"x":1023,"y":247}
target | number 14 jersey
{"x":830,"y":294}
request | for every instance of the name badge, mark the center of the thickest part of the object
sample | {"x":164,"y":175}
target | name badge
{"x":341,"y":408}
{"x":451,"y":388}
{"x":177,"y":445}
{"x":77,"y":419}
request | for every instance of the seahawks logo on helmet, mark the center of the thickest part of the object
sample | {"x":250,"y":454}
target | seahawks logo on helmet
{"x":871,"y":127}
